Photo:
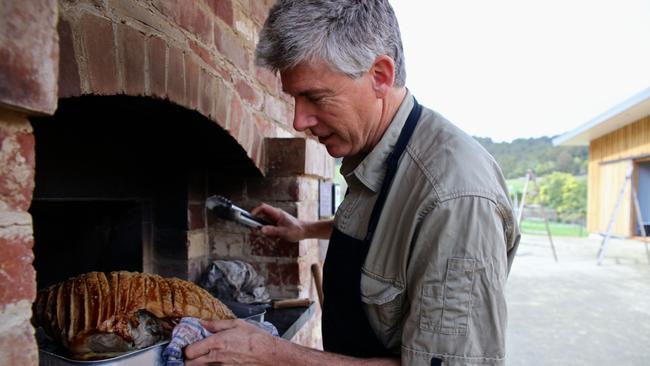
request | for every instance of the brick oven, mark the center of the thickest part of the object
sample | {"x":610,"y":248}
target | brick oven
{"x":118,"y":118}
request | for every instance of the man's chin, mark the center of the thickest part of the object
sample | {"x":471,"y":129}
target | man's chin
{"x":336,"y":151}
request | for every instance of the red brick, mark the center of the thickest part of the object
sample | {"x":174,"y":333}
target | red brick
{"x":236,"y":114}
{"x":100,"y":53}
{"x":196,"y":216}
{"x":278,"y":110}
{"x":249,"y":94}
{"x":18,"y":346}
{"x":16,"y":169}
{"x":260,"y":10}
{"x":202,"y":52}
{"x":222,"y":103}
{"x":157,"y":50}
{"x":130,"y":48}
{"x":69,"y":82}
{"x":258,"y":150}
{"x":282,"y":274}
{"x":29,"y":55}
{"x":206,"y":93}
{"x":194,"y":19}
{"x":16,"y":257}
{"x":192,"y":78}
{"x":266,"y":127}
{"x":222,"y":9}
{"x":232,"y":47}
{"x":285,"y":156}
{"x":268,"y":79}
{"x":176,"y":76}
{"x":275,"y":189}
{"x":261,"y":245}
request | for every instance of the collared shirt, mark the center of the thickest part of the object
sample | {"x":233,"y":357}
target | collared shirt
{"x":434,"y":279}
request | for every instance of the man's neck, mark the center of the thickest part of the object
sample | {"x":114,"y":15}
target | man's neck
{"x":389,"y":108}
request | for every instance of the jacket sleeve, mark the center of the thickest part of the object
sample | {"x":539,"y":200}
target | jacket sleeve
{"x":456,"y":277}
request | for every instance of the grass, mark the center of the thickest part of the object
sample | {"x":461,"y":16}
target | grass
{"x":537,"y":227}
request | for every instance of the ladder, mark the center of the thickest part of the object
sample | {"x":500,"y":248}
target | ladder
{"x":614,"y":216}
{"x":530,"y":176}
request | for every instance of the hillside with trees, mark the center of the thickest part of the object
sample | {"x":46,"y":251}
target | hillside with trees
{"x":539,"y":154}
{"x":561,"y":171}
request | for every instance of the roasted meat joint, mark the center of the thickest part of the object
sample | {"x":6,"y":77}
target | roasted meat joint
{"x":96,"y":315}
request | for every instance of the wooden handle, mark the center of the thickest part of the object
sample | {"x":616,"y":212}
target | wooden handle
{"x":318,"y":281}
{"x":291,"y":303}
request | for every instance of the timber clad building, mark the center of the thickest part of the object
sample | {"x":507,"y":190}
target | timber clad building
{"x":619,"y":143}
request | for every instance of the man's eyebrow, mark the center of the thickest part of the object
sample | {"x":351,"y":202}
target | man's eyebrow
{"x":316,"y":91}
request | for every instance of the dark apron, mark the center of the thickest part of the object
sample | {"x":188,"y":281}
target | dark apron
{"x":346,"y":329}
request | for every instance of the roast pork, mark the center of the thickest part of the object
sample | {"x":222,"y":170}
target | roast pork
{"x":97,"y":316}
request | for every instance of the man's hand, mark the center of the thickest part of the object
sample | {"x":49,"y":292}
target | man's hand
{"x":290,"y":228}
{"x":235,"y":342}
{"x":286,"y":226}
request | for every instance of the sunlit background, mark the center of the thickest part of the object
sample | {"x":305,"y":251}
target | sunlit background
{"x":507,"y":69}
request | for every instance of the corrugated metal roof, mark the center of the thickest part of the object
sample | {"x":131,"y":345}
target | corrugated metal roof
{"x":631,"y":110}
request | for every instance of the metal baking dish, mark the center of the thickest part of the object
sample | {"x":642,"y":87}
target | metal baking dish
{"x":150,"y":356}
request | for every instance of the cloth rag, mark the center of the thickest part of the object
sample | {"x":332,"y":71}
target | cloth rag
{"x":235,"y":280}
{"x":190,"y":330}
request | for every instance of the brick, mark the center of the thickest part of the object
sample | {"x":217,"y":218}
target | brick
{"x":222,"y":9}
{"x":130,"y":48}
{"x":157,"y":55}
{"x":292,"y":188}
{"x":282,"y":273}
{"x":206,"y":93}
{"x":223,"y":97}
{"x":278,"y":110}
{"x":195,"y":20}
{"x":29,"y":54}
{"x":268,"y":80}
{"x":232,"y":47}
{"x":246,"y":27}
{"x":285,"y":156}
{"x":16,"y":257}
{"x":69,"y":81}
{"x":236,"y":114}
{"x":192,"y":77}
{"x":100,"y":53}
{"x":17,"y":163}
{"x":249,"y":94}
{"x":261,"y":245}
{"x":260,"y":10}
{"x":196,"y":216}
{"x":257,"y":154}
{"x":18,"y":345}
{"x":202,"y":52}
{"x":176,"y":76}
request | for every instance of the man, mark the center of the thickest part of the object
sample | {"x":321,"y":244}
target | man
{"x":422,"y":244}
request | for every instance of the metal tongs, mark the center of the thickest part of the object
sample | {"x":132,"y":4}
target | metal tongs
{"x":225,"y":209}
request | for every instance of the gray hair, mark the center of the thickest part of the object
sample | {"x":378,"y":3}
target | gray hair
{"x":347,"y":34}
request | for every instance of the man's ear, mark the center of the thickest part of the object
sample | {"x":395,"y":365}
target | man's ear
{"x":382,"y":73}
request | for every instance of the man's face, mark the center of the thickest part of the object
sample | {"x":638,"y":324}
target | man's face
{"x":342,"y":112}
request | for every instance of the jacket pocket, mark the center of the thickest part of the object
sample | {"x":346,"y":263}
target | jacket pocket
{"x":384,"y":302}
{"x":445,"y":308}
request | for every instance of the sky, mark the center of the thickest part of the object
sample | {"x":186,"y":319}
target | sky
{"x":508,"y":69}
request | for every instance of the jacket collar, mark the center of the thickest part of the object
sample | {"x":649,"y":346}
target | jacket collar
{"x":371,"y":168}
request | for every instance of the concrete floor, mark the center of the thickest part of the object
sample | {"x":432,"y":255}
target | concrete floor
{"x":577,"y":313}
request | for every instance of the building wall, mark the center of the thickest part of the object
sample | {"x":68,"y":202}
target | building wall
{"x":196,"y":54}
{"x":610,"y":158}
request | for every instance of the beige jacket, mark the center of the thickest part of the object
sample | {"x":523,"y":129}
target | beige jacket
{"x":434,"y":279}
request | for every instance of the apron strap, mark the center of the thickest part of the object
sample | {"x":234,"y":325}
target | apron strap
{"x":391,"y":169}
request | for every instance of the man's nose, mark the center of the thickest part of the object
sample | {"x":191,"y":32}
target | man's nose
{"x":303,"y":117}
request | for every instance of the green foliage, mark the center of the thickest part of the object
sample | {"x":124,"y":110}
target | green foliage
{"x":539,"y":154}
{"x":566,"y":194}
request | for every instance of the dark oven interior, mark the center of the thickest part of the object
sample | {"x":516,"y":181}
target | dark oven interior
{"x":114,"y":176}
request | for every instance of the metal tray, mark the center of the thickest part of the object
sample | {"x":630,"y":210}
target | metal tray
{"x":150,"y":356}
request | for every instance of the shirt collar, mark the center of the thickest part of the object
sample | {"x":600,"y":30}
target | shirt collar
{"x":371,"y":168}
